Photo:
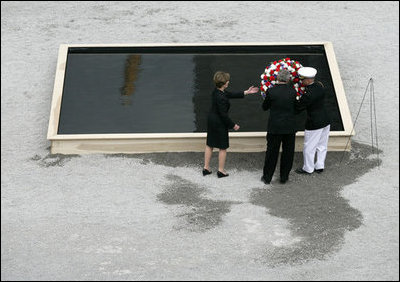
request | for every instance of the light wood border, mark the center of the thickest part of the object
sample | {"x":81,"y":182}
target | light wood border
{"x":181,"y":142}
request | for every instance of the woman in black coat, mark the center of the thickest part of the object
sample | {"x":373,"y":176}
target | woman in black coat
{"x":219,"y":123}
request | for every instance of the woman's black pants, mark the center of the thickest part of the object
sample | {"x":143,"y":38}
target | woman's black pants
{"x":274,"y":142}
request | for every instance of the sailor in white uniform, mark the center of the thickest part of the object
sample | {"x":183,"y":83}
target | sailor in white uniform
{"x":316,"y":133}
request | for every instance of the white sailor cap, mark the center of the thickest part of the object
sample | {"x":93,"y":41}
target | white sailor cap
{"x":307,"y":72}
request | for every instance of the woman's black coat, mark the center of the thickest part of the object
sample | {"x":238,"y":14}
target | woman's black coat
{"x":218,"y":122}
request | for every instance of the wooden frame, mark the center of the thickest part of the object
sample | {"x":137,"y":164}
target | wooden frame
{"x":181,"y":142}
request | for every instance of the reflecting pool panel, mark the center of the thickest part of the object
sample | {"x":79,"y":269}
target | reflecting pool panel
{"x":168,"y":89}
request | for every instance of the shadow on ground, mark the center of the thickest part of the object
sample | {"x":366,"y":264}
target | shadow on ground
{"x":201,"y":214}
{"x":51,"y":160}
{"x":312,"y":204}
{"x":314,"y":207}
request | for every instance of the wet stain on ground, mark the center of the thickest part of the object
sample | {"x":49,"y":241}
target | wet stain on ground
{"x":52,"y":160}
{"x":312,"y":204}
{"x":249,"y":161}
{"x":314,"y":208}
{"x":200,"y":213}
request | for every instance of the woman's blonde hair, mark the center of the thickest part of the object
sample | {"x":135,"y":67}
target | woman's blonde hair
{"x":220,"y":78}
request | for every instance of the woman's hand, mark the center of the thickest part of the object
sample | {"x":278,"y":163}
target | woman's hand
{"x":251,"y":90}
{"x":236,"y":127}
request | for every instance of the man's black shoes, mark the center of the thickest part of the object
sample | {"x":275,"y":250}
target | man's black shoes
{"x":283,"y":181}
{"x":319,"y":170}
{"x":266,"y":182}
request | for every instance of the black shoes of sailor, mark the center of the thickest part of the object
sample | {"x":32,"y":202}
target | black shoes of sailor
{"x":301,"y":171}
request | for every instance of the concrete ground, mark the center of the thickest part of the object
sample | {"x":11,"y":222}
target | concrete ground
{"x":154,"y":216}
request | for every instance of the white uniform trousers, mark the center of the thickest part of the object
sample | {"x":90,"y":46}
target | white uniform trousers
{"x":315,"y":141}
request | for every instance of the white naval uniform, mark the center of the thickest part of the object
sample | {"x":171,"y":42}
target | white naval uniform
{"x":315,"y":141}
{"x":316,"y":133}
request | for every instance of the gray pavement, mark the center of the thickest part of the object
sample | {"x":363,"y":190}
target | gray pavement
{"x":154,"y":216}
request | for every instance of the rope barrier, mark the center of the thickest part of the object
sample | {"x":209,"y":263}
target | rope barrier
{"x":370,"y":86}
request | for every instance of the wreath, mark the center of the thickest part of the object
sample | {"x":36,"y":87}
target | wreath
{"x":268,"y":78}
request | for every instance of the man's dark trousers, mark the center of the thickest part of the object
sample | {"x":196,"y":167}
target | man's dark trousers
{"x":274,"y":142}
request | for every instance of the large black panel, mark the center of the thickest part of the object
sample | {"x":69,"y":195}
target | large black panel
{"x":167,"y":89}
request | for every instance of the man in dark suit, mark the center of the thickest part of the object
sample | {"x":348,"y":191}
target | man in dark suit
{"x":281,"y":101}
{"x":316,"y":133}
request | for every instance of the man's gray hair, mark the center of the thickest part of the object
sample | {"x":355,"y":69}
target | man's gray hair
{"x":283,"y":75}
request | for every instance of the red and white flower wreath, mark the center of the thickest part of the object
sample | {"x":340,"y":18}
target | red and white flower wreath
{"x":268,"y":78}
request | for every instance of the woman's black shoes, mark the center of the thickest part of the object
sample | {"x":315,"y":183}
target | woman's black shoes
{"x":220,"y":174}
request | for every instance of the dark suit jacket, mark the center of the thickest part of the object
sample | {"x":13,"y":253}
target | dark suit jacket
{"x":314,"y":102}
{"x":281,"y":100}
